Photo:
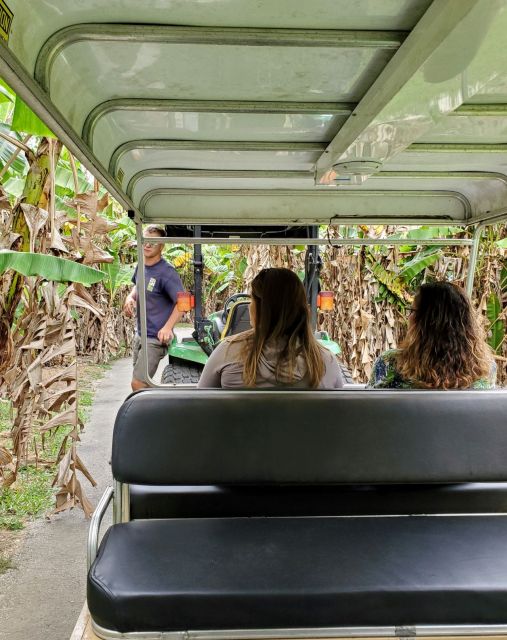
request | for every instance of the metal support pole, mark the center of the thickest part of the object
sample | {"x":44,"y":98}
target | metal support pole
{"x":474,"y":253}
{"x":198,"y":273}
{"x":333,"y":242}
{"x":312,"y":269}
{"x":117,"y":502}
{"x":141,"y":298}
{"x":125,"y":502}
{"x":93,"y":531}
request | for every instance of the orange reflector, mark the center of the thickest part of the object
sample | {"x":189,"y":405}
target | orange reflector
{"x":325,"y":300}
{"x":192,"y":301}
{"x":183,"y":301}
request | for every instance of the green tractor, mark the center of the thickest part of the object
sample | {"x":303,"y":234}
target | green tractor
{"x":188,"y":357}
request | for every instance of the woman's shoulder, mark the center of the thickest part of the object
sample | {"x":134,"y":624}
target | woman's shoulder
{"x":327,"y":355}
{"x":237,"y":341}
{"x":232,"y":346}
{"x":329,"y":359}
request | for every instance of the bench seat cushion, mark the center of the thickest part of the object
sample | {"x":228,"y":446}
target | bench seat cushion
{"x":244,"y":573}
{"x":334,"y":500}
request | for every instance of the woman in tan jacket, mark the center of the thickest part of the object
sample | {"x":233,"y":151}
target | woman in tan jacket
{"x":280,"y":350}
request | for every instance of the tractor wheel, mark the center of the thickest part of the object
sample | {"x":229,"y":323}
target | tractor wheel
{"x":176,"y":373}
{"x":347,"y":377}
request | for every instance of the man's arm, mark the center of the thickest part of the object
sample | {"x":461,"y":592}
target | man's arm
{"x":172,"y":284}
{"x":165,"y":335}
{"x":130,"y":303}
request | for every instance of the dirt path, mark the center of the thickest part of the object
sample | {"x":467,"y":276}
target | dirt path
{"x":40,"y":599}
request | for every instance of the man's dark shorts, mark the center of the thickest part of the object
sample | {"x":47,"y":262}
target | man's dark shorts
{"x":156,"y":351}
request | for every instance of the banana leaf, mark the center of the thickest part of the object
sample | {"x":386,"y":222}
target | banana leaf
{"x":14,"y":185}
{"x":391,"y":281}
{"x":64,"y":177}
{"x":20,"y":165}
{"x":418,"y":264}
{"x":6,"y":93}
{"x":48,"y":267}
{"x":424,"y":233}
{"x":503,"y":280}
{"x":25,"y":120}
{"x":497,"y":328}
{"x":117,"y":275}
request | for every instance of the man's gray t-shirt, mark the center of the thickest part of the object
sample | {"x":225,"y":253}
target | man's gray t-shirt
{"x":162,"y":283}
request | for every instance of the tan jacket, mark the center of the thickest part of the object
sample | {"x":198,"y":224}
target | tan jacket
{"x":224,"y":369}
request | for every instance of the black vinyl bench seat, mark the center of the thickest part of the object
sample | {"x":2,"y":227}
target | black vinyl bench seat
{"x":246,"y":573}
{"x":355,"y":458}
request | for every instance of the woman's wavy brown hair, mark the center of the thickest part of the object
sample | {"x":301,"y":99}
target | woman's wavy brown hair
{"x":281,"y":314}
{"x":444,"y":347}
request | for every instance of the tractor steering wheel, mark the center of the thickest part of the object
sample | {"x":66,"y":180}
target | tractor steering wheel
{"x":230,"y":301}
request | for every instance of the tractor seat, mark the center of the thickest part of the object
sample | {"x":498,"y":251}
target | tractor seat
{"x":217,"y":326}
{"x":238,"y":319}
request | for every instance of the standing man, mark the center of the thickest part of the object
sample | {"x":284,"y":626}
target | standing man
{"x":162,"y":284}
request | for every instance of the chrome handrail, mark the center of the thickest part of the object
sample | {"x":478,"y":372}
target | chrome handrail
{"x":93,"y":532}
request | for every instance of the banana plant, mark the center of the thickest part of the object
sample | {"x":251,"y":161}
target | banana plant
{"x":496,"y":332}
{"x":49,"y":267}
{"x":116,"y":276}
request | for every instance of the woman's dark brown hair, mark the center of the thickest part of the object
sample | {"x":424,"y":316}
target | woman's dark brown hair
{"x":281,"y":315}
{"x":444,"y":347}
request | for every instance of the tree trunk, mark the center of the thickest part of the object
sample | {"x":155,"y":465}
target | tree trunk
{"x":33,"y":190}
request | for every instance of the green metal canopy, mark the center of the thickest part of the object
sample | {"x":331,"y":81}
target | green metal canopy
{"x":274,"y":111}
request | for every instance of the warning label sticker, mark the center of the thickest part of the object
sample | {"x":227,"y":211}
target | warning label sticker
{"x":6,"y":17}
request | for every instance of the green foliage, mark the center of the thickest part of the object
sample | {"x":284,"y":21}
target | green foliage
{"x":14,"y":185}
{"x":417,"y":264}
{"x":122,"y":238}
{"x":7,"y":149}
{"x":496,"y":324}
{"x":503,"y":280}
{"x":224,"y":268}
{"x":117,"y":275}
{"x":49,"y":267}
{"x":427,"y":233}
{"x":5,"y":94}
{"x":32,"y":493}
{"x":64,"y":178}
{"x":64,"y":182}
{"x":25,"y":120}
{"x":31,"y":496}
{"x":392,"y":287}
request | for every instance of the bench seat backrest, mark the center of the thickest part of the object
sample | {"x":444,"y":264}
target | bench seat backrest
{"x":271,"y":437}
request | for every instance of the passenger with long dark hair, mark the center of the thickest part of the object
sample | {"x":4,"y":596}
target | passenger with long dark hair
{"x":444,"y":347}
{"x":280,"y":349}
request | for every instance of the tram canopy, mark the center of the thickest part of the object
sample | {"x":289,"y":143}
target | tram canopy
{"x":274,"y":111}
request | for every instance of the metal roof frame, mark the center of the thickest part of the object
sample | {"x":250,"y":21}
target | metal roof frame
{"x":420,"y":66}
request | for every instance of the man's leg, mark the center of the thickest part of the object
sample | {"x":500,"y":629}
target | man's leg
{"x":156,"y":351}
{"x":136,"y":383}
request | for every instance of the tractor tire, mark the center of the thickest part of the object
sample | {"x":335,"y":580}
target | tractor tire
{"x":347,"y":377}
{"x":176,"y":373}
